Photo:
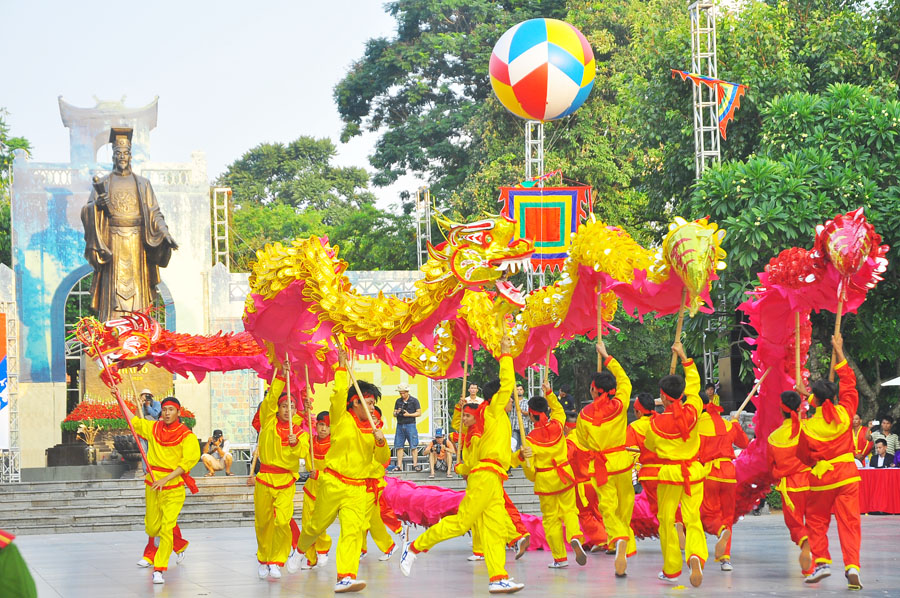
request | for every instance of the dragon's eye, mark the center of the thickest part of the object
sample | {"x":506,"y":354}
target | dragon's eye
{"x":488,"y":239}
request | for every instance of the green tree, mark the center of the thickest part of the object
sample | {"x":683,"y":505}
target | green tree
{"x":820,"y":155}
{"x":7,"y":146}
{"x":282,"y":192}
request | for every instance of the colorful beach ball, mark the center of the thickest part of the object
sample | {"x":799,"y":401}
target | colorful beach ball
{"x":542,"y":69}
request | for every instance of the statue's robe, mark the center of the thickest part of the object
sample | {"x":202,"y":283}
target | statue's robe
{"x":126,"y":242}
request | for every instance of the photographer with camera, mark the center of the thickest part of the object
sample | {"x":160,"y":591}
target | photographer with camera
{"x":406,"y":410}
{"x":440,"y":449}
{"x":217,"y":456}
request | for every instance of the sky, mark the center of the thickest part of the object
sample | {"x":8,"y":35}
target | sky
{"x":229,"y":75}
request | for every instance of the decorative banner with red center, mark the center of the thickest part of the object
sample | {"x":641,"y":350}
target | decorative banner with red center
{"x":547,"y":216}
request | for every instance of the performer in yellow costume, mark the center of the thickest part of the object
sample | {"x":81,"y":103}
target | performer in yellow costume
{"x":674,"y":435}
{"x":317,"y":555}
{"x":545,"y":460}
{"x":486,"y":465}
{"x":172,"y":451}
{"x":281,"y":446}
{"x":601,"y":429}
{"x":355,"y":448}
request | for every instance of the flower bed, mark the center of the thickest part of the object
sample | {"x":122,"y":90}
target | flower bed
{"x":109,"y":417}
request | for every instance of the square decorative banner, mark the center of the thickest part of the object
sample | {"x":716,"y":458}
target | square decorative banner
{"x":547,"y":216}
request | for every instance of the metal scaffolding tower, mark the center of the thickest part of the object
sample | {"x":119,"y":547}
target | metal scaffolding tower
{"x":704,"y":62}
{"x":10,"y":462}
{"x":534,"y":168}
{"x":220,"y":200}
{"x":437,"y":389}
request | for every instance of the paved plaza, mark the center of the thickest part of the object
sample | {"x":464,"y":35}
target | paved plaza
{"x":221,"y":564}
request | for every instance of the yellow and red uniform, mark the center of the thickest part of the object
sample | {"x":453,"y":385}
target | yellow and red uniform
{"x":169,"y":447}
{"x":648,"y":475}
{"x":862,"y":446}
{"x":586,"y":498}
{"x":718,"y":437}
{"x":554,"y":480}
{"x":342,"y":486}
{"x":792,"y":476}
{"x":310,"y":489}
{"x":273,"y":494}
{"x":826,"y":445}
{"x":601,"y":430}
{"x":674,"y":436}
{"x":487,"y":460}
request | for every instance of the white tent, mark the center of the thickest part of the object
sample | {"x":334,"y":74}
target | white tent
{"x":894,"y":382}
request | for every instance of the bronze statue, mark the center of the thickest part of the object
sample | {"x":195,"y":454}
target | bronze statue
{"x":126,"y":237}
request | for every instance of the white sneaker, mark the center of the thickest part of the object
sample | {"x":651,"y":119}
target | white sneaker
{"x":621,"y":563}
{"x":158,"y":578}
{"x":558,"y":565}
{"x":580,"y":555}
{"x":726,"y":566}
{"x":505,"y":586}
{"x":263,"y":571}
{"x":387,"y":556}
{"x":322,"y":560}
{"x":348,"y":584}
{"x":179,"y":557}
{"x":274,"y":572}
{"x":663,"y":577}
{"x":306,"y":565}
{"x":293,"y":562}
{"x":696,"y":571}
{"x":475,"y":557}
{"x":821,"y":571}
{"x":144,"y":563}
{"x":407,"y":558}
{"x":853,"y":582}
{"x":521,"y":547}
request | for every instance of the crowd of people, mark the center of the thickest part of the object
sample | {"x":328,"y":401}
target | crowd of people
{"x":581,"y":462}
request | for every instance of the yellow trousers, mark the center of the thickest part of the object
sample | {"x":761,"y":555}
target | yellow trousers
{"x":379,"y":531}
{"x":323,"y":543}
{"x":616,"y":503}
{"x":482,"y":505}
{"x":510,"y":534}
{"x":337,"y":499}
{"x":558,"y":510}
{"x":670,"y":496}
{"x":163,"y":507}
{"x":273,"y":510}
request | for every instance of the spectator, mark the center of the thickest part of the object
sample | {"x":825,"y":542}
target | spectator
{"x":15,"y":579}
{"x":217,"y":456}
{"x":881,"y":459}
{"x":473,"y":394}
{"x":893,"y":443}
{"x":440,"y":449}
{"x":711,"y":395}
{"x":567,"y":401}
{"x":150,"y":409}
{"x":862,"y":446}
{"x":519,"y":396}
{"x":406,"y":410}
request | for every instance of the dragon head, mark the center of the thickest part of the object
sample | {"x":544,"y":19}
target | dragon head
{"x":480,"y":253}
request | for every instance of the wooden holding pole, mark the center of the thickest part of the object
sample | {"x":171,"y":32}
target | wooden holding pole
{"x":309,"y":420}
{"x":290,"y":401}
{"x":599,"y":327}
{"x":837,"y":329}
{"x":753,"y":392}
{"x":462,"y":404}
{"x":521,"y":426}
{"x":547,"y":369}
{"x":678,"y":329}
{"x":118,"y":396}
{"x":359,"y":394}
